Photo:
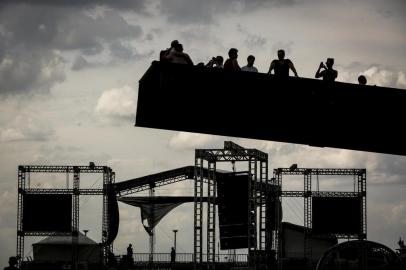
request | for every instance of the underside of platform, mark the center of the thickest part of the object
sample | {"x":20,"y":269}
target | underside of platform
{"x":262,"y":106}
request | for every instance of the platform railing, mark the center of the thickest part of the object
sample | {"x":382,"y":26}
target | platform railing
{"x":188,"y":258}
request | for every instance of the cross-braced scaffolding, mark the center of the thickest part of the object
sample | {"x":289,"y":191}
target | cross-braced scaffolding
{"x":231,"y":153}
{"x":24,"y":188}
{"x":308,"y":194}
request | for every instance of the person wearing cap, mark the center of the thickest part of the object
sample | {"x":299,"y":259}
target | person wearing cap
{"x":328,"y":74}
{"x":231,"y":63}
{"x":281,"y":66}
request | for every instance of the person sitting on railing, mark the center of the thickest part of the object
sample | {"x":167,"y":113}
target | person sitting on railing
{"x":328,"y":74}
{"x":163,"y":55}
{"x":231,"y":63}
{"x":177,"y":56}
{"x":281,"y":66}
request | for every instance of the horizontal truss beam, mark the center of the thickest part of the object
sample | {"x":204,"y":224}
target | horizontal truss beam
{"x":316,"y":171}
{"x":63,"y":191}
{"x":63,"y":169}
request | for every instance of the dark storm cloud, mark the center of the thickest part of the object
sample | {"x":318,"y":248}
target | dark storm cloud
{"x":135,"y":5}
{"x":206,"y":12}
{"x":31,"y":49}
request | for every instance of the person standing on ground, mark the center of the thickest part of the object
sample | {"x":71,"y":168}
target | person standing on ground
{"x":12,"y":262}
{"x":281,"y":66}
{"x":173,"y":255}
{"x":130,"y":251}
{"x":250,"y":64}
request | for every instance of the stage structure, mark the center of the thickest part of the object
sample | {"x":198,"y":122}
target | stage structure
{"x":34,"y":217}
{"x":318,"y":203}
{"x":258,"y":177}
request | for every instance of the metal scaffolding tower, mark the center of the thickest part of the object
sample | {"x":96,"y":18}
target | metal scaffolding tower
{"x":230,"y":153}
{"x":25,"y":189}
{"x":308,"y":194}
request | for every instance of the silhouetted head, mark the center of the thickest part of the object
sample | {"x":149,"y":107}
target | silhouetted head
{"x":173,"y":248}
{"x":362,"y":80}
{"x":130,"y":245}
{"x":233,"y":53}
{"x":12,"y":261}
{"x":219,"y":60}
{"x":330,"y":62}
{"x":179,"y":47}
{"x":281,"y":54}
{"x":250,"y":60}
{"x":174,"y":43}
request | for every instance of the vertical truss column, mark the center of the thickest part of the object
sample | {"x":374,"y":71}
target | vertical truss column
{"x":275,"y":242}
{"x":152,"y":235}
{"x":108,"y":179}
{"x":308,"y":217}
{"x":75,"y":217}
{"x":211,"y":215}
{"x":362,"y":191}
{"x":20,"y":233}
{"x":198,"y":213}
{"x":263,"y":179}
{"x":252,"y":213}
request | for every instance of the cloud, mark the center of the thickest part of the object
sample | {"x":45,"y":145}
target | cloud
{"x":118,"y":103}
{"x":206,"y":12}
{"x":32,"y":51}
{"x":28,"y":71}
{"x":26,"y":128}
{"x":189,"y":141}
{"x":80,"y":63}
{"x":375,"y":74}
{"x":252,"y":41}
{"x":135,"y":5}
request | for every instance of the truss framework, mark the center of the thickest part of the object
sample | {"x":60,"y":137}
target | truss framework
{"x":24,"y":172}
{"x":307,"y":195}
{"x":258,"y":169}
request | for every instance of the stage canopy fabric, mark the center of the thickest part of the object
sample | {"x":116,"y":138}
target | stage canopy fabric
{"x":153,"y":209}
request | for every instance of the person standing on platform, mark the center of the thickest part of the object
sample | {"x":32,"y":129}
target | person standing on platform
{"x":362,"y":80}
{"x":216,"y":62}
{"x":281,"y":66}
{"x":231,"y":63}
{"x":328,"y":74}
{"x":250,"y":64}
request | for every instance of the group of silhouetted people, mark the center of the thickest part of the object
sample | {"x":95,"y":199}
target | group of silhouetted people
{"x":280,"y":67}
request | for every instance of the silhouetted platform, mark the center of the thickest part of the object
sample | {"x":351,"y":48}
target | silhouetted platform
{"x":261,"y":106}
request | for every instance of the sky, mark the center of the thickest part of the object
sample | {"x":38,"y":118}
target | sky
{"x":69,"y":74}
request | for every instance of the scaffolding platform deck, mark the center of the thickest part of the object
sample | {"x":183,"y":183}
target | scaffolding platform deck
{"x":262,"y":106}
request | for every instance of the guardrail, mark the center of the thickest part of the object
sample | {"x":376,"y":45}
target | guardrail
{"x":188,"y":257}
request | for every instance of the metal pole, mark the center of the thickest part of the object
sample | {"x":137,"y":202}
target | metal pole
{"x":174,"y":244}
